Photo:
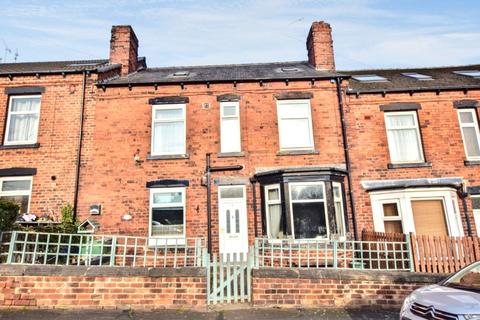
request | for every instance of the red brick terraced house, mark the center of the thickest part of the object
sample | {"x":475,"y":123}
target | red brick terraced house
{"x":284,"y":150}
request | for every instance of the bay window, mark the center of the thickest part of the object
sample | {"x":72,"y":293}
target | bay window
{"x":167,"y":212}
{"x":22,"y":120}
{"x":17,"y":189}
{"x":470,"y":133}
{"x":339,"y":212}
{"x":273,"y":209}
{"x":230,"y":127}
{"x":476,"y":211}
{"x":168,"y":129}
{"x":295,"y":124}
{"x":403,"y":137}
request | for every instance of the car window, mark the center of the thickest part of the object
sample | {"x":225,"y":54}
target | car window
{"x":468,"y":278}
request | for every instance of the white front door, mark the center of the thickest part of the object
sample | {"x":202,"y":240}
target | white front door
{"x":233,"y":230}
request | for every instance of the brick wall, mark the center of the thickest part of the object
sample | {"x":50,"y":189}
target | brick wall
{"x":441,"y":137}
{"x":335,"y":288}
{"x":102,"y":287}
{"x":59,"y":125}
{"x":121,"y":124}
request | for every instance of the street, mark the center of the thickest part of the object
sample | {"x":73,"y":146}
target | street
{"x":242,"y":314}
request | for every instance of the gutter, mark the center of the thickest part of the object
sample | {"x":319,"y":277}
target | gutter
{"x":79,"y":150}
{"x":338,"y":82}
{"x":412,"y":90}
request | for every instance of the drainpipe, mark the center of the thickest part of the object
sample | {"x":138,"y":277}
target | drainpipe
{"x":79,"y":150}
{"x":338,"y":81}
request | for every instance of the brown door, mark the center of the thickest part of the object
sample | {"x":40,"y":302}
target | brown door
{"x":429,"y":217}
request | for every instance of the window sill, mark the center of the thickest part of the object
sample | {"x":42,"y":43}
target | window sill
{"x":297,"y":152}
{"x":20,"y":146}
{"x":168,"y":157}
{"x":409,"y":165}
{"x":472,"y":162}
{"x":230,"y":154}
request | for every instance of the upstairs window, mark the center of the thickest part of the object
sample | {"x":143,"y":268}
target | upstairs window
{"x":168,"y":129}
{"x":230,"y":127}
{"x":470,"y":133}
{"x":17,"y":189}
{"x":403,"y":136}
{"x":22,"y":120}
{"x":295,"y":124}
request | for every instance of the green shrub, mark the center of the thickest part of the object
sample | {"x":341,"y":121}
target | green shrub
{"x":68,"y":223}
{"x":8,"y":214}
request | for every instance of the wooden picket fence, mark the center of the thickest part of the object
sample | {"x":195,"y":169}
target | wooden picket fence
{"x":434,"y":254}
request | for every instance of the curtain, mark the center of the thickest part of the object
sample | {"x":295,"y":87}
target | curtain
{"x":23,"y":119}
{"x":169,"y":137}
{"x":403,"y":138}
{"x":471,"y":141}
{"x":274,"y":215}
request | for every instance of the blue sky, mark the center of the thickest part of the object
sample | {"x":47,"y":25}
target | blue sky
{"x":367,"y":33}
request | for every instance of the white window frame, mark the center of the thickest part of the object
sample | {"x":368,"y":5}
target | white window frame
{"x":339,"y":199}
{"x":404,"y":197}
{"x":308,"y":201}
{"x":269,"y":202}
{"x":469,"y":125}
{"x":309,"y":118}
{"x":391,"y":142}
{"x":476,"y":215}
{"x":392,"y":218}
{"x":183,"y":119}
{"x":166,"y":205}
{"x":17,"y":192}
{"x":9,"y":114}
{"x":224,"y":143}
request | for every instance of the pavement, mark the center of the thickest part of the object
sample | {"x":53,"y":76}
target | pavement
{"x":243,"y":314}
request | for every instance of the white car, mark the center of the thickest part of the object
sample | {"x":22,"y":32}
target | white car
{"x":456,"y":298}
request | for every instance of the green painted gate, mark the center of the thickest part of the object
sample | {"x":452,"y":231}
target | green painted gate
{"x":229,"y":278}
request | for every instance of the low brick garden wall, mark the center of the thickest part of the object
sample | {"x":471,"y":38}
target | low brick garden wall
{"x":102,"y":287}
{"x":335,"y":288}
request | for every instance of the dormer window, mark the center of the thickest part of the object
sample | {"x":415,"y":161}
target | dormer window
{"x":417,"y":76}
{"x":469,"y":73}
{"x":369,"y":78}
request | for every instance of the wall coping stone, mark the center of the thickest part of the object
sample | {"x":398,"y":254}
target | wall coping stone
{"x":97,"y":271}
{"x":367,"y":275}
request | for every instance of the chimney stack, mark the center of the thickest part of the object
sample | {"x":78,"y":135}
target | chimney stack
{"x":320,"y":46}
{"x":124,"y":49}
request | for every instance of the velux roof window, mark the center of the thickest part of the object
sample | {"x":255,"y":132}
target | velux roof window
{"x":369,"y":78}
{"x":181,"y":74}
{"x":418,"y":76}
{"x":469,"y":73}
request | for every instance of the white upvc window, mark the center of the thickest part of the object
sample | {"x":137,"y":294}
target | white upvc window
{"x":273,"y":211}
{"x":17,"y":189}
{"x":22,"y":120}
{"x":392,"y":220}
{"x":339,"y":209}
{"x":308,"y":210}
{"x":167,"y":213}
{"x":476,"y":211}
{"x":403,"y":136}
{"x":295,"y":125}
{"x":470,"y":133}
{"x":230,"y":137}
{"x":168,"y":129}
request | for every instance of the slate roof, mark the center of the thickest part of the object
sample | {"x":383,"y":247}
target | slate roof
{"x":220,"y":73}
{"x":444,"y":78}
{"x":51,"y":67}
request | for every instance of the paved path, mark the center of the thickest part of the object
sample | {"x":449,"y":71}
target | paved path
{"x":243,"y":314}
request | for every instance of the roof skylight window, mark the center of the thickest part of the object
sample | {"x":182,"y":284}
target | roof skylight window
{"x":83,"y":64}
{"x":369,"y":78}
{"x":418,"y":76}
{"x":469,"y":73}
{"x":181,"y":73}
{"x":289,"y":69}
